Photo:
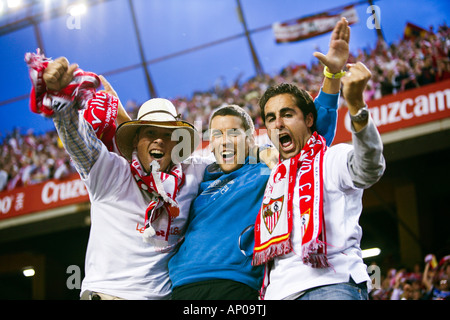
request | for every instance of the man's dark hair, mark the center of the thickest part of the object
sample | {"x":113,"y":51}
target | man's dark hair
{"x":302,"y":98}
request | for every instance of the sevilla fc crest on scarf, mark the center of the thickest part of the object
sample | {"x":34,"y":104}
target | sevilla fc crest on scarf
{"x":271,"y":213}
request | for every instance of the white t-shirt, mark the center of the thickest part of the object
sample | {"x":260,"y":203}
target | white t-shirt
{"x":342,"y":206}
{"x":118,"y":261}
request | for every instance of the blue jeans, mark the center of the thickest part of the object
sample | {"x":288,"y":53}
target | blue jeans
{"x":340,"y":291}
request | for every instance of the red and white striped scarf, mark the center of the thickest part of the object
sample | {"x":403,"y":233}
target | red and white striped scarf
{"x":163,"y":208}
{"x":101,"y":113}
{"x":43,"y":101}
{"x":99,"y":108}
{"x":274,"y":222}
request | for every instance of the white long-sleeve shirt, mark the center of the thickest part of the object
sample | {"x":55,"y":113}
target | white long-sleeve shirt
{"x":347,"y":171}
{"x":118,"y":262}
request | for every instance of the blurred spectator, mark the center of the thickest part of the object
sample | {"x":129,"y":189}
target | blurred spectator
{"x":425,"y":72}
{"x":406,"y":287}
{"x":443,"y":69}
{"x":436,"y":281}
{"x":401,"y":284}
{"x":3,"y":177}
{"x":405,"y":78}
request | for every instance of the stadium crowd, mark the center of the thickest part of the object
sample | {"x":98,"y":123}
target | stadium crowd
{"x":408,"y":63}
{"x":403,"y":284}
{"x":29,"y":159}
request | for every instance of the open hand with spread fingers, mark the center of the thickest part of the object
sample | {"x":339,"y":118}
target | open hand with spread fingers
{"x":338,"y":51}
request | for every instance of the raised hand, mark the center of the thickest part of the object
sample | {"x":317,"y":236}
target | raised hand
{"x":59,"y":74}
{"x":354,"y":83}
{"x":107,"y":86}
{"x":338,"y":51}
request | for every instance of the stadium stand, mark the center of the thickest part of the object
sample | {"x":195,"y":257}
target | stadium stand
{"x":406,"y":64}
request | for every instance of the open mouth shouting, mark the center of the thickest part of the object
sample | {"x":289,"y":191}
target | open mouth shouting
{"x":156,"y":154}
{"x":228,"y":155}
{"x":162,"y":157}
{"x":286,"y":142}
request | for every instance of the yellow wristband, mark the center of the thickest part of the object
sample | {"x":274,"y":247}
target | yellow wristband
{"x":330,"y":75}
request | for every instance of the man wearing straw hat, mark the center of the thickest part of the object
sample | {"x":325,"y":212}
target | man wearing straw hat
{"x":139,"y":202}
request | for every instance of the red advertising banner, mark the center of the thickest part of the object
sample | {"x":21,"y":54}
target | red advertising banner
{"x":43,"y":196}
{"x":402,"y":110}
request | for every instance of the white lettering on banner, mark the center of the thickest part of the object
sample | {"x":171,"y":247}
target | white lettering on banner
{"x":5,"y":204}
{"x":20,"y":200}
{"x":53,"y":192}
{"x":408,"y":108}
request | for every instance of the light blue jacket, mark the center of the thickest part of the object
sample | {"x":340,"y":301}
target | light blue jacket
{"x":226,"y":205}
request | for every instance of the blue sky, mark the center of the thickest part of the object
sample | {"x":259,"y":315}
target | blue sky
{"x":105,"y":41}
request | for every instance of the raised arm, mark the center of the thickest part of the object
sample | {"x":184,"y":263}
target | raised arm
{"x":334,"y":62}
{"x":354,"y":84}
{"x":336,"y":58}
{"x":76,"y":134}
{"x":366,"y":162}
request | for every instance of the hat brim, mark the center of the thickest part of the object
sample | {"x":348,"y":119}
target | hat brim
{"x":126,"y":133}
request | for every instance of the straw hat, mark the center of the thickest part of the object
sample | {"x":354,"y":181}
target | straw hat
{"x":158,"y":112}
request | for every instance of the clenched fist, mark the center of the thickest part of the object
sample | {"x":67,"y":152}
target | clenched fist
{"x":59,"y":74}
{"x":354,"y":83}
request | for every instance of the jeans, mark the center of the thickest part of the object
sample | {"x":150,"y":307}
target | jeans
{"x":91,"y":295}
{"x":340,"y":291}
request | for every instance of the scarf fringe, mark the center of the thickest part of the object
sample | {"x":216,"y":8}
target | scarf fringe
{"x":159,"y":244}
{"x":278,"y":249}
{"x":159,"y":185}
{"x":311,"y":255}
{"x":162,"y":245}
{"x":148,"y":234}
{"x":36,"y":60}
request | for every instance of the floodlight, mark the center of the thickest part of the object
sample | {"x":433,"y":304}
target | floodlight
{"x":28,"y":272}
{"x":371,"y":252}
{"x":77,"y":9}
{"x":12,"y":4}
